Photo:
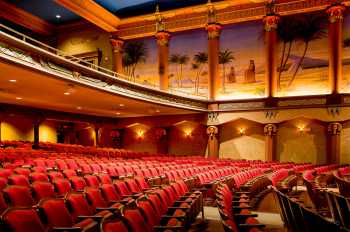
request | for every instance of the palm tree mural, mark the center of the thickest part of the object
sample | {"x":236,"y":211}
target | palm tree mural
{"x":134,"y":53}
{"x":174,"y":59}
{"x":311,"y":27}
{"x":287,"y":32}
{"x":225,"y":57}
{"x":183,"y":60}
{"x":199,"y":60}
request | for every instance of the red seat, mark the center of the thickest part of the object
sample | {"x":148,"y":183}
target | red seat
{"x":22,"y":171}
{"x":43,"y":190}
{"x":62,"y":186}
{"x":3,"y":183}
{"x":132,"y":185}
{"x":78,"y":183}
{"x":119,"y":224}
{"x":55,"y":175}
{"x":91,"y":180}
{"x":18,"y":180}
{"x":57,"y":215}
{"x":38,"y":176}
{"x":96,"y":199}
{"x":19,"y":196}
{"x":68,"y":173}
{"x":22,"y":220}
{"x":5,"y":172}
{"x":135,"y":219}
{"x":3,"y":204}
{"x":105,"y":179}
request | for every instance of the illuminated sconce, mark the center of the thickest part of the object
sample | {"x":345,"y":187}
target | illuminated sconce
{"x":188,"y":133}
{"x":302,"y":129}
{"x":140,"y":134}
{"x":241,"y":131}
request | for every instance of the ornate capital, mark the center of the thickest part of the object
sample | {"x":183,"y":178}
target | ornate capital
{"x":271,"y":22}
{"x":212,"y":131}
{"x":214,"y":30}
{"x":336,"y":13}
{"x":270,"y":129}
{"x":334,"y":128}
{"x":163,"y":38}
{"x":117,"y":44}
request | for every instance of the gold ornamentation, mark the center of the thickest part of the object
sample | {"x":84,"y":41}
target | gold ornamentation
{"x":214,"y":30}
{"x":212,"y":131}
{"x":117,"y":44}
{"x":270,"y":129}
{"x":334,"y":128}
{"x":160,"y":24}
{"x":336,"y":13}
{"x":271,"y":22}
{"x":163,"y":38}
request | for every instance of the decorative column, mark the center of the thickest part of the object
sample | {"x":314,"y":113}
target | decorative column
{"x":161,"y":136}
{"x":334,"y":131}
{"x":163,"y":38}
{"x":36,"y":126}
{"x":271,"y":21}
{"x":270,"y":131}
{"x":117,"y":45}
{"x":97,"y":136}
{"x":213,"y":143}
{"x":335,"y":46}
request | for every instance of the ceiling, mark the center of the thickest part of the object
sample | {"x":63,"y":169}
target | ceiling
{"x":28,"y":90}
{"x":48,"y":9}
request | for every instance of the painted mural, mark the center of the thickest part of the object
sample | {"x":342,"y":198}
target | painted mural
{"x":242,"y":61}
{"x":303,"y":55}
{"x":188,"y":62}
{"x":345,"y":82}
{"x":140,"y":61}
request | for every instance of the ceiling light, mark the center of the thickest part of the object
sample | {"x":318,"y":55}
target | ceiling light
{"x":121,"y":105}
{"x":67,"y":93}
{"x":157,"y":111}
{"x":13,"y":81}
{"x":19,"y":98}
{"x":117,"y":113}
{"x":79,"y":107}
{"x":58,"y":16}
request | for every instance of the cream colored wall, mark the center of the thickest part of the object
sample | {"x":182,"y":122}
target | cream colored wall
{"x":17,"y":128}
{"x":345,"y":146}
{"x":309,"y":146}
{"x":89,"y":40}
{"x":48,"y":132}
{"x":250,"y":145}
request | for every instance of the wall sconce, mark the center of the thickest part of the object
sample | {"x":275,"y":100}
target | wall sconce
{"x":241,"y":131}
{"x":302,"y":129}
{"x":140,"y":134}
{"x":188,"y":133}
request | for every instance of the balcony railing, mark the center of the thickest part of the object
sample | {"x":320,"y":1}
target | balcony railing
{"x":78,"y":61}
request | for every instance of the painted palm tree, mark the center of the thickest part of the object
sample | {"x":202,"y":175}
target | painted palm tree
{"x":312,"y":27}
{"x":183,"y":60}
{"x":225,"y":57}
{"x":287,"y":32}
{"x":174,"y":59}
{"x":199,"y":60}
{"x":134,"y":53}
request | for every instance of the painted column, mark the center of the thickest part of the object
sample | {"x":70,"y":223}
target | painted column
{"x":270,"y":131}
{"x":36,"y":126}
{"x":213,"y":142}
{"x":117,"y":45}
{"x":161,"y":136}
{"x":334,"y":131}
{"x":97,"y":136}
{"x":270,"y":26}
{"x":335,"y":46}
{"x":214,"y":30}
{"x":163,"y":39}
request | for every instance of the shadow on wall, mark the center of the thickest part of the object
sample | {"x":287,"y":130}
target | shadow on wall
{"x":242,"y":139}
{"x":302,"y":140}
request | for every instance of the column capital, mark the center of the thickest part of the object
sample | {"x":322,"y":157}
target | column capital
{"x":117,"y":44}
{"x":214,"y":30}
{"x":334,"y":128}
{"x":212,"y":131}
{"x":270,"y":129}
{"x":271,"y":22}
{"x":336,"y":13}
{"x":163,"y":38}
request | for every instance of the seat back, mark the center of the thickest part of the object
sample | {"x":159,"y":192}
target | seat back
{"x":94,"y":196}
{"x":21,"y":180}
{"x":19,"y":196}
{"x":62,"y":186}
{"x":118,"y":224}
{"x":91,"y":180}
{"x":109,"y":192}
{"x":38,"y":176}
{"x":56,"y":212}
{"x":122,"y":188}
{"x":78,"y":183}
{"x":78,"y":205}
{"x":43,"y":190}
{"x":136,"y":219}
{"x":22,"y":220}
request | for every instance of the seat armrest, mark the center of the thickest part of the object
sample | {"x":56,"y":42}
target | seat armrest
{"x":56,"y":229}
{"x":171,"y":228}
{"x":106,"y":208}
{"x":251,"y":225}
{"x":97,"y":218}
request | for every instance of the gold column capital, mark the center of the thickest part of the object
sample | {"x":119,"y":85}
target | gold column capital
{"x":271,"y":22}
{"x":334,"y":128}
{"x":117,"y":44}
{"x":270,"y":129}
{"x":214,"y":30}
{"x":336,"y":13}
{"x":163,"y":38}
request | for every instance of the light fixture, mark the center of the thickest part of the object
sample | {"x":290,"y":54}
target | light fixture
{"x":121,"y":105}
{"x":241,"y":131}
{"x":117,"y":113}
{"x":188,"y":133}
{"x":66,"y":93}
{"x":19,"y":98}
{"x":79,"y":107}
{"x":13,"y":81}
{"x":58,"y":16}
{"x":157,"y":111}
{"x":140,"y":134}
{"x":302,"y":129}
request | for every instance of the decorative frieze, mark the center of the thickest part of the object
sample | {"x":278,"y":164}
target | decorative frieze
{"x":303,"y":102}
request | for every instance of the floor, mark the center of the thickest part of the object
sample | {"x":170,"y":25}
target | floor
{"x":212,"y":222}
